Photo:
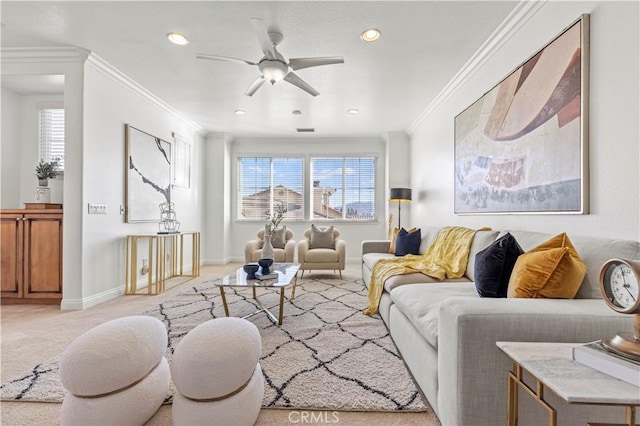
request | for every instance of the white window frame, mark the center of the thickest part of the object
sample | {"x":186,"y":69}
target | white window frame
{"x":344,"y":217}
{"x":307,"y":180}
{"x":272,"y":188}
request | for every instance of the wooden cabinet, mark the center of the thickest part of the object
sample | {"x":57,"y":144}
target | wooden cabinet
{"x":31,"y":252}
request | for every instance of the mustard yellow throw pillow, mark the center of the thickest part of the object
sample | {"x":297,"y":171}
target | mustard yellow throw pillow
{"x":394,"y":238}
{"x":552,"y":270}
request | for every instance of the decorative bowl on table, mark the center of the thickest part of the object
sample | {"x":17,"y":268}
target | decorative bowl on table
{"x":251,"y":269}
{"x":265,"y":264}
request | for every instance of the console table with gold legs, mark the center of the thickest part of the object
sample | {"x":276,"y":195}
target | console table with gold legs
{"x":156,"y":251}
{"x":554,"y":369}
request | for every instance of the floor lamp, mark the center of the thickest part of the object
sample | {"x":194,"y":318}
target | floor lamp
{"x":400,"y":195}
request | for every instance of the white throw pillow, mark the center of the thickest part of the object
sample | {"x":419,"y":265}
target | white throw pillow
{"x":279,"y":238}
{"x":321,"y":237}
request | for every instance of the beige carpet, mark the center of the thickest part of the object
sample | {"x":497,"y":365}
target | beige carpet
{"x":32,"y":334}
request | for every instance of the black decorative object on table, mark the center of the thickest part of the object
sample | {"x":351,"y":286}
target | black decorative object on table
{"x":265,"y":264}
{"x":251,"y":269}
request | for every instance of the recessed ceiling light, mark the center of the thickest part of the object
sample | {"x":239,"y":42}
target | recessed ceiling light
{"x":370,"y":34}
{"x":353,"y":111}
{"x":240,"y":112}
{"x":296,"y":112}
{"x":177,"y":38}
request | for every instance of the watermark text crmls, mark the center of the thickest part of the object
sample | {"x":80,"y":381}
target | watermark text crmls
{"x":314,"y":417}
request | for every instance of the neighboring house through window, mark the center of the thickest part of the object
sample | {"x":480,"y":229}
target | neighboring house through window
{"x":265,"y":183}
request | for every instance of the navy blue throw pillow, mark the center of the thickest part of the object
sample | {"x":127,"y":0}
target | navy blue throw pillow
{"x":408,"y":242}
{"x":494,"y":265}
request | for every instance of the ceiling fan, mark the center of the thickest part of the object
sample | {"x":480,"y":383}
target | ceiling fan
{"x":273,"y":66}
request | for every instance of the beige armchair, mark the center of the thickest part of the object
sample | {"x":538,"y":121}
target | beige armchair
{"x":253,"y":248}
{"x":319,"y":253}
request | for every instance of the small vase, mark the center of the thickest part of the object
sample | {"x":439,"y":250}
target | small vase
{"x":267,"y":248}
{"x":43,"y":195}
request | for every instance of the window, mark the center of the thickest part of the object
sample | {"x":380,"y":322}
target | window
{"x":52,"y":135}
{"x":343,"y":188}
{"x":266,"y":183}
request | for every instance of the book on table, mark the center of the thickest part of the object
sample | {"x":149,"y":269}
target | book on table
{"x":268,"y":276}
{"x":596,"y":356}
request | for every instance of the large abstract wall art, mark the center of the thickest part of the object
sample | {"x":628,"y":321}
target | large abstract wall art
{"x":148,"y":175}
{"x":523,"y":146}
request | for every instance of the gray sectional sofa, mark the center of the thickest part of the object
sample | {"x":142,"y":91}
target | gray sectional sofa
{"x":447,"y":334}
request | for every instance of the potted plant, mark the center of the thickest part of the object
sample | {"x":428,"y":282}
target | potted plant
{"x":47,"y":170}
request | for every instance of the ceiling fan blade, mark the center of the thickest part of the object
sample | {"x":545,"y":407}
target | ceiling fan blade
{"x":299,"y":63}
{"x":223,"y":58}
{"x":255,"y":86}
{"x":263,"y":38}
{"x":297,"y":81}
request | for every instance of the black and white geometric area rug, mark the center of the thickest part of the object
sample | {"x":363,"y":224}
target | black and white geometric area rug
{"x":326,"y":355}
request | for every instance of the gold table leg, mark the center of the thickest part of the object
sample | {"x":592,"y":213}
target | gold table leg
{"x":512,"y":395}
{"x":224,"y":301}
{"x":515,"y":381}
{"x":293,"y":288}
{"x":281,"y":305}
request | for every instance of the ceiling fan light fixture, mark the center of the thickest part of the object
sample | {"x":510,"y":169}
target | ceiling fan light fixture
{"x":370,"y":34}
{"x":273,"y":71}
{"x":177,"y":38}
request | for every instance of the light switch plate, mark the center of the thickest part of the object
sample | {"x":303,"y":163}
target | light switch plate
{"x":97,"y":208}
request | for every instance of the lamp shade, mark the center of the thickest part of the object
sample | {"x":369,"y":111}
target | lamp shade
{"x":400,"y":194}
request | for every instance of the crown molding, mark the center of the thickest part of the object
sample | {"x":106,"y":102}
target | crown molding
{"x":43,"y":54}
{"x":102,"y":66}
{"x":519,"y":16}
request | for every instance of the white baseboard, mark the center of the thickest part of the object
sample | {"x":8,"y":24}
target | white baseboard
{"x":87,"y":302}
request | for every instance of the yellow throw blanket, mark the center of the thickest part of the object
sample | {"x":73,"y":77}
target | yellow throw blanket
{"x":446,"y":257}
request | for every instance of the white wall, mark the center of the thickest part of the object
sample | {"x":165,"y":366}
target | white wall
{"x":10,"y":151}
{"x":244,"y":230}
{"x":111,"y":101}
{"x":217,"y":206}
{"x":614,"y":126}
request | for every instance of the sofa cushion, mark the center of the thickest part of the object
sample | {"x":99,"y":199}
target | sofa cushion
{"x":429,"y":234}
{"x":279,"y":237}
{"x":321,"y":237}
{"x":494,"y":264}
{"x":551,"y":270}
{"x":322,"y":255}
{"x":370,"y":259}
{"x":408,"y":242}
{"x":416,"y":278}
{"x":420,"y":304}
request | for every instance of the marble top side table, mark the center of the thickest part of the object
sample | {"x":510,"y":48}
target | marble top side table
{"x":553,"y":368}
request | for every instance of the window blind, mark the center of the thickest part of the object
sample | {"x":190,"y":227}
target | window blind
{"x":343,"y":188}
{"x":266,"y":183}
{"x":52,"y":135}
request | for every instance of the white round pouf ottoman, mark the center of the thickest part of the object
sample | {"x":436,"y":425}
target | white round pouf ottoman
{"x":216,"y":374}
{"x":116,"y":373}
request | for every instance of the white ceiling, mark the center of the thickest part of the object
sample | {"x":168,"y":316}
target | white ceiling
{"x":391,"y":81}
